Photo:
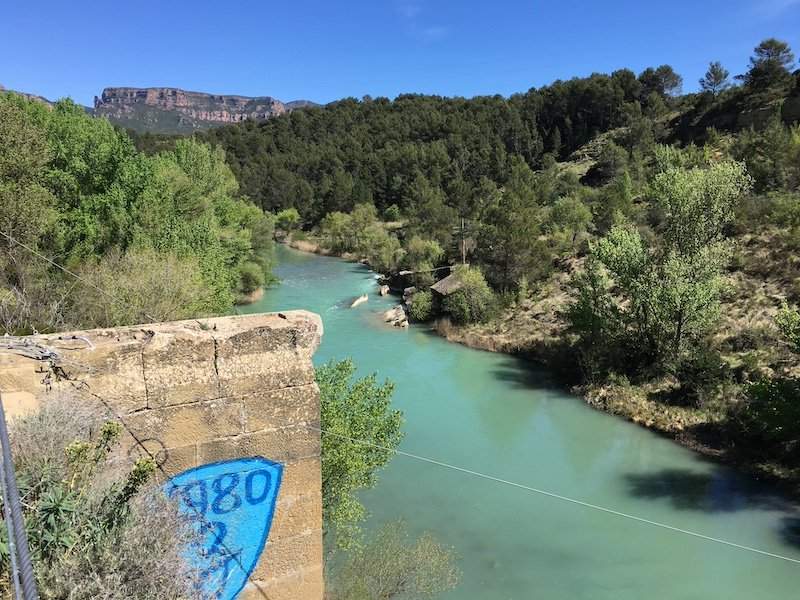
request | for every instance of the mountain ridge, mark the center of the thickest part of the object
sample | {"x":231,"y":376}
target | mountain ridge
{"x":178,"y":111}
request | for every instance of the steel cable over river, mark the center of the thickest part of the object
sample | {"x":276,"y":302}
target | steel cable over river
{"x":497,"y":415}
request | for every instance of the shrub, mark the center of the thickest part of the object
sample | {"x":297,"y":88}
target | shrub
{"x":143,"y":286}
{"x":393,"y":566}
{"x":772,"y":414}
{"x":96,"y":529}
{"x":701,"y":372}
{"x":287,"y":220}
{"x":421,"y":306}
{"x":474,"y":301}
{"x":392,"y":213}
{"x":252,"y":277}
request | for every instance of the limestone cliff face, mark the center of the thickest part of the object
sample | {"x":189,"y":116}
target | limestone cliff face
{"x":178,"y":111}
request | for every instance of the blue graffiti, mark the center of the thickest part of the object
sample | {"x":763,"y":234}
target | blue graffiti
{"x":230,"y":504}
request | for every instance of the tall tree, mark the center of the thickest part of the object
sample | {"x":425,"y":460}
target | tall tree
{"x":671,"y":291}
{"x":715,"y":80}
{"x":509,"y":244}
{"x":770,"y":65}
{"x":663,"y":80}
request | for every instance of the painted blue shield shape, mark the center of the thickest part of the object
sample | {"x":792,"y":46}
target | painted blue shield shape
{"x":230,"y":504}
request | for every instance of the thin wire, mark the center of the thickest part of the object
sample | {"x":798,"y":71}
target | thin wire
{"x":75,"y":275}
{"x":479,"y":474}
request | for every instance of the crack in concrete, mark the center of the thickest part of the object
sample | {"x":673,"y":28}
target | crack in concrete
{"x":150,"y":334}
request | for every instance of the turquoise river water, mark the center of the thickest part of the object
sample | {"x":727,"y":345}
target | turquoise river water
{"x":501,"y":416}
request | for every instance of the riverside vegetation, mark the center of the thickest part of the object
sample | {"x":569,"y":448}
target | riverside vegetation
{"x":639,"y":241}
{"x":165,"y":236}
{"x":152,"y":237}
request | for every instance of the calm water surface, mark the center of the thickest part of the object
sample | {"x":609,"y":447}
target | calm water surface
{"x":501,"y":416}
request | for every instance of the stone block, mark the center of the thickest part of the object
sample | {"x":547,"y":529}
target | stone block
{"x":280,"y":445}
{"x":277,"y":408}
{"x":289,"y":555}
{"x":188,"y":424}
{"x":301,"y":477}
{"x":113,"y":370}
{"x":303,"y":585}
{"x":180,"y":368}
{"x":297,"y":515}
{"x":252,"y":373}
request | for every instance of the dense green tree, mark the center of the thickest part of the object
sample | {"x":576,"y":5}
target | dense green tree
{"x":663,"y":81}
{"x":287,"y":220}
{"x":770,"y":65}
{"x":360,"y":430}
{"x":772,"y":155}
{"x":671,"y":291}
{"x":508,"y":243}
{"x":473,"y":301}
{"x":75,"y":188}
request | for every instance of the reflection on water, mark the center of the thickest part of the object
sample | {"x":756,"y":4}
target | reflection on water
{"x":498,"y":415}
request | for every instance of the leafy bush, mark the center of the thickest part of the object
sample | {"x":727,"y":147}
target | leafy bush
{"x":474,"y":301}
{"x":701,"y":372}
{"x":287,"y":220}
{"x":421,"y":306}
{"x":96,"y":529}
{"x":392,"y":213}
{"x":393,"y":566}
{"x":144,"y":286}
{"x":772,"y":414}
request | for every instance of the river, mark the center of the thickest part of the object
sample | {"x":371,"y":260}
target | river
{"x":501,"y":416}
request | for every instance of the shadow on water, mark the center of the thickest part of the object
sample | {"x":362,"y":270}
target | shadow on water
{"x":790,"y":530}
{"x":521,"y":374}
{"x":716,"y":491}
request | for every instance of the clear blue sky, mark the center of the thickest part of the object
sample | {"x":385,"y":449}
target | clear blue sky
{"x":323,"y":51}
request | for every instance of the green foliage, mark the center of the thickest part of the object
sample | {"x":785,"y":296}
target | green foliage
{"x":772,"y":415}
{"x":381,"y":249}
{"x":421,"y":306}
{"x":772,"y":155}
{"x":392,"y":213}
{"x":571,"y":216}
{"x":352,"y":410}
{"x":788,"y":322}
{"x":143,"y":285}
{"x":715,"y":80}
{"x":701,"y":372}
{"x":595,"y":317}
{"x":670,"y":291}
{"x":770,"y":65}
{"x":612,"y":162}
{"x":392,"y":566}
{"x":509,"y":245}
{"x":288,"y":219}
{"x":614,"y":203}
{"x":474,"y":301}
{"x":96,"y":526}
{"x":75,"y":189}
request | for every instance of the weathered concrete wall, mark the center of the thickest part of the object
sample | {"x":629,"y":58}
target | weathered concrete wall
{"x":200,"y":392}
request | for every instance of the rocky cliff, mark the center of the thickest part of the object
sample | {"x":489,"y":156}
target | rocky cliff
{"x":171,"y":110}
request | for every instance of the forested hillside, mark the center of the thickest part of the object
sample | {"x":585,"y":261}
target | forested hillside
{"x":149,"y":238}
{"x":639,"y":240}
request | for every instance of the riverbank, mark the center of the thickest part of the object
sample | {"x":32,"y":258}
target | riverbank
{"x":534,"y":329}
